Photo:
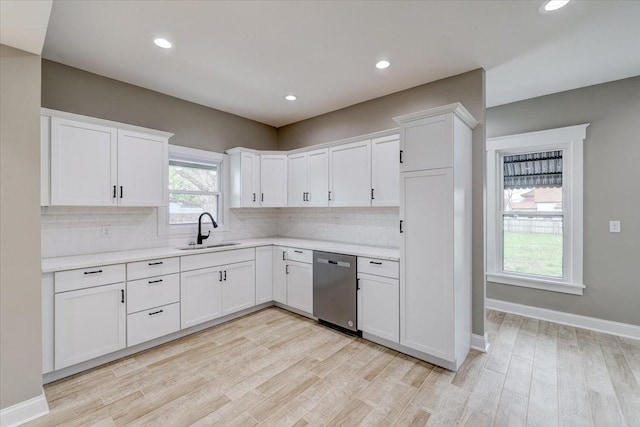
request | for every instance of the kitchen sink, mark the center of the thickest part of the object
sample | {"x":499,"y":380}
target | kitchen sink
{"x":211,"y":246}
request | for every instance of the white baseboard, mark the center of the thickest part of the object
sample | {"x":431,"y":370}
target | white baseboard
{"x":25,"y":411}
{"x":585,"y":322}
{"x":480,"y":342}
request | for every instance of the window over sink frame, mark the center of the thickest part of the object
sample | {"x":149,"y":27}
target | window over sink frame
{"x":198,"y":159}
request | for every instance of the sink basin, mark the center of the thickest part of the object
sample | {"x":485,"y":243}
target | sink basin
{"x":200,"y":247}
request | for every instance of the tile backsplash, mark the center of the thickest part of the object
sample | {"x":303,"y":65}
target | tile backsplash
{"x":363,"y":226}
{"x":78,"y":230}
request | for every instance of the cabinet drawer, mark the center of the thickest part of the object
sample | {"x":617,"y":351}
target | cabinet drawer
{"x":300,"y":255}
{"x":379,"y":267}
{"x":152,"y":292}
{"x":149,"y":324}
{"x":152,"y":267}
{"x":194,"y":262}
{"x":88,"y":277}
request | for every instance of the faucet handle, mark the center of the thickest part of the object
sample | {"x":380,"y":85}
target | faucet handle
{"x":207,"y":236}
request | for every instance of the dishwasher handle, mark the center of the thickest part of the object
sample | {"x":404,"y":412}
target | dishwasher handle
{"x":332,"y":262}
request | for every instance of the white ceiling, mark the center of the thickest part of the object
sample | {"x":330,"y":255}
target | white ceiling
{"x":23,"y":24}
{"x":244,"y":56}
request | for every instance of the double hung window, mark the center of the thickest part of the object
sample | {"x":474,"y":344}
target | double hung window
{"x":534,"y":215}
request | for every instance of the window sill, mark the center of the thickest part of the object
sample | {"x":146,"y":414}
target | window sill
{"x":528,"y":282}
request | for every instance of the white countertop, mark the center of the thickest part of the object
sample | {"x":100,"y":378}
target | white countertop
{"x":50,"y":265}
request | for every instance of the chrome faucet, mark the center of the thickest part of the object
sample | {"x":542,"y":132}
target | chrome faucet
{"x":200,"y":236}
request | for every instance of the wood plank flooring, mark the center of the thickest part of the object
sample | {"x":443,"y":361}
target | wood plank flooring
{"x":276,"y":368}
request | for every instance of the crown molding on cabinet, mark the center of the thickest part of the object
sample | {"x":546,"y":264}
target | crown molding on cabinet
{"x":456,"y":108}
{"x":103,"y":122}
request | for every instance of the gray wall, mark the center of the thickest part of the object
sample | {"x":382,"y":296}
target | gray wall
{"x":70,"y":89}
{"x":377,"y":114}
{"x":611,"y":192}
{"x":20,"y":303}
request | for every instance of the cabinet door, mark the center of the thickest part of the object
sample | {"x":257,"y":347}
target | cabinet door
{"x":427,"y":143}
{"x":273,"y":180}
{"x":142,"y":169}
{"x":83,"y":164}
{"x":300,"y":286}
{"x":238,"y":287}
{"x":89,"y":323}
{"x":318,"y":177}
{"x":426,"y":262}
{"x":350,"y":174}
{"x":264,"y":274}
{"x":379,"y":306}
{"x":385,"y":171}
{"x":200,"y":296}
{"x":297,"y":179}
{"x":250,"y":180}
{"x":280,"y":275}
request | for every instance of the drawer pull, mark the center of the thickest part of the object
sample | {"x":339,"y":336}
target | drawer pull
{"x":93,"y":272}
{"x":225,"y":275}
{"x":156,"y":312}
{"x":156,"y":263}
{"x":122,"y":295}
{"x":375,"y":262}
{"x":155,"y":281}
{"x":298,"y":252}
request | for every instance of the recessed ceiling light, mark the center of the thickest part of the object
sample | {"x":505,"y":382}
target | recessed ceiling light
{"x":552,"y":5}
{"x":290,"y":97}
{"x":382,"y":64}
{"x":163,"y":43}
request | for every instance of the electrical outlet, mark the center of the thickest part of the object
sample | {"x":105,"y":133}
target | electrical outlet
{"x":614,"y":226}
{"x":105,"y":231}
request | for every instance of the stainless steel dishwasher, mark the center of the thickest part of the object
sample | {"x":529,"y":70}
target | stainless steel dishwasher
{"x":335,"y":289}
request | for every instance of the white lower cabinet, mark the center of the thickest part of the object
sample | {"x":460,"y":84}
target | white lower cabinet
{"x":89,"y":323}
{"x":264,"y":274}
{"x":200,"y":296}
{"x":153,"y":323}
{"x":238,"y":287}
{"x":280,"y":275}
{"x":379,"y":306}
{"x":300,"y":286}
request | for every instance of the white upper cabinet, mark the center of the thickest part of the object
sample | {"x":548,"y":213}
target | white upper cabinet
{"x":142,"y":165}
{"x":245,"y":178}
{"x":95,"y":162}
{"x":318,"y":178}
{"x":385,"y":171}
{"x":350,"y":174}
{"x":83,"y":163}
{"x":297,"y":179}
{"x":273,"y":180}
{"x":309,"y":178}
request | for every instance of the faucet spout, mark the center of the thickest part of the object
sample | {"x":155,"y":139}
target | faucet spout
{"x":200,"y":236}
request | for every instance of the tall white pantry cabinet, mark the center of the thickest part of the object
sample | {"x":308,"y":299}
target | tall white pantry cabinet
{"x":435,"y":227}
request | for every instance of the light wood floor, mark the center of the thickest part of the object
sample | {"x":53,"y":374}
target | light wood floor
{"x":276,"y":368}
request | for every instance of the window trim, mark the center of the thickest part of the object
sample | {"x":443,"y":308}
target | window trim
{"x":195,"y":155}
{"x":569,"y":139}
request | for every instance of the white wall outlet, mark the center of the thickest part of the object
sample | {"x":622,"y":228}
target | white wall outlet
{"x":614,"y":226}
{"x":105,"y":231}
